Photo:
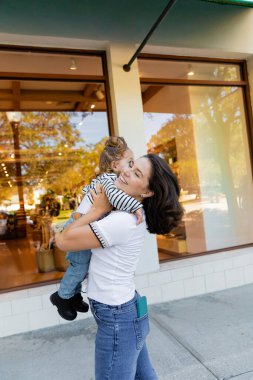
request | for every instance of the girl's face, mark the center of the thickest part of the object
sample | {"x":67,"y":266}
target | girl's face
{"x":135,"y":180}
{"x":126,"y":161}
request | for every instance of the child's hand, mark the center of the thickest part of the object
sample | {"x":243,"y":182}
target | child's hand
{"x":100,"y":201}
{"x":139,"y":216}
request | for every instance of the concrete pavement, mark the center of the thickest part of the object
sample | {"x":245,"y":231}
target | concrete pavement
{"x":200,"y":338}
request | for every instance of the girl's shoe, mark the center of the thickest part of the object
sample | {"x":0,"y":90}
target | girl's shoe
{"x":79,"y":304}
{"x":64,"y":306}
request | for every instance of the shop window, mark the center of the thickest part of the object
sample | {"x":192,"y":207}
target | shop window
{"x":52,"y":133}
{"x":201,"y":131}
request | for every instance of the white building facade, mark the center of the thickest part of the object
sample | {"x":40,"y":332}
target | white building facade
{"x":229,"y":35}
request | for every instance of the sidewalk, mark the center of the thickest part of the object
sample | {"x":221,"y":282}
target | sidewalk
{"x":200,"y":338}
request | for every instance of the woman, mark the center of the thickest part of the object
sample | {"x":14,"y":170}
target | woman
{"x":116,"y":242}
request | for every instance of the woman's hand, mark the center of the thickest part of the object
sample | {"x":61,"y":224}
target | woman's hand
{"x":100,"y":202}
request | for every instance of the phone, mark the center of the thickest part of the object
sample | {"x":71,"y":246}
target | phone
{"x":142,"y":306}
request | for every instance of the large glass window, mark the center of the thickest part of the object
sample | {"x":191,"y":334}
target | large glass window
{"x":201,"y":131}
{"x":52,"y":132}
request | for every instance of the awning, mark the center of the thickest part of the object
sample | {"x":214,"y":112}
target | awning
{"x":242,"y":3}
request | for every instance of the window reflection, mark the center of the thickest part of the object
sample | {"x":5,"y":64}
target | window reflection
{"x":201,"y":133}
{"x":58,"y":154}
{"x":194,"y":70}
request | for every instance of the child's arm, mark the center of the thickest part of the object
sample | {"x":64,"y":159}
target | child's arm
{"x":91,"y":186}
{"x":118,"y":198}
{"x":79,"y":235}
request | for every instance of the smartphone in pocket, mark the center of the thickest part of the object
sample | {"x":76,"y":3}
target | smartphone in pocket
{"x":142,"y":306}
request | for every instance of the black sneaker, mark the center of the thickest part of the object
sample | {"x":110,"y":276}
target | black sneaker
{"x":64,"y":307}
{"x":78,"y":303}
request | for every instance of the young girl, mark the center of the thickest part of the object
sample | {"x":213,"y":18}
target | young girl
{"x":115,"y":156}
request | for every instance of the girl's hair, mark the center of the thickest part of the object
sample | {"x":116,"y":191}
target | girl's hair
{"x":163,"y":210}
{"x":113,"y":151}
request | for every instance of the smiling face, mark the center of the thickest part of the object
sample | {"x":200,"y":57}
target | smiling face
{"x":135,"y":181}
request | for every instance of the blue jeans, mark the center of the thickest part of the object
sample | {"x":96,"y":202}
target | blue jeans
{"x":121,"y":351}
{"x":79,"y":261}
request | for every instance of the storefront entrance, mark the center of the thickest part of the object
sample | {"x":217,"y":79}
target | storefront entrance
{"x":197,"y":117}
{"x":54,"y":118}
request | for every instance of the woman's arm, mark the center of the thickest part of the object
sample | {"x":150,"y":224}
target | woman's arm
{"x":78,"y":235}
{"x":80,"y":238}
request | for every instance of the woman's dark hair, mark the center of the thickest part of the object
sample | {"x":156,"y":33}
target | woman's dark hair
{"x":163,"y":210}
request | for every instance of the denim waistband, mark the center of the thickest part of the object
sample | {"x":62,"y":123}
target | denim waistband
{"x":116,"y":307}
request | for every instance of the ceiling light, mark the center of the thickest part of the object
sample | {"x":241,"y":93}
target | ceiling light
{"x":3,"y":164}
{"x":92,"y":106}
{"x":6,"y":175}
{"x":59,"y":154}
{"x":66,"y":145}
{"x":190,"y":71}
{"x":99,"y":94}
{"x":73,"y":64}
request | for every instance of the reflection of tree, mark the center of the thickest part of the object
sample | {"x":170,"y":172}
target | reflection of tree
{"x":50,"y":153}
{"x":221,"y":118}
{"x":179,"y":128}
{"x":211,"y":139}
{"x":74,"y":178}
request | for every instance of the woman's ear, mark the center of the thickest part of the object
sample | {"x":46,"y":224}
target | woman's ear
{"x":148,"y":194}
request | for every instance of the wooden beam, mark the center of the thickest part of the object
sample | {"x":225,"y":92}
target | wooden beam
{"x":150,"y":92}
{"x":16,"y":95}
{"x":87,"y":92}
{"x":45,"y":95}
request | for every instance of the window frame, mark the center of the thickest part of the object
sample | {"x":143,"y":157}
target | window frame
{"x":243,"y":83}
{"x":63,"y":78}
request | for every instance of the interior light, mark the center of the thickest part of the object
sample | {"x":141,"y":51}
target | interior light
{"x":66,"y":145}
{"x":3,"y":164}
{"x":190,"y":72}
{"x":99,"y":94}
{"x":92,"y":106}
{"x":73,"y":64}
{"x":59,"y":154}
{"x":12,"y":155}
{"x":7,"y":175}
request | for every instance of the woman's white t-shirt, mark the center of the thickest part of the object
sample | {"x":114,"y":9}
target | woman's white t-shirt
{"x":112,"y":267}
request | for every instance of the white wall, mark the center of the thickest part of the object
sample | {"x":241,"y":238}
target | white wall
{"x":128,"y":122}
{"x":30,"y":309}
